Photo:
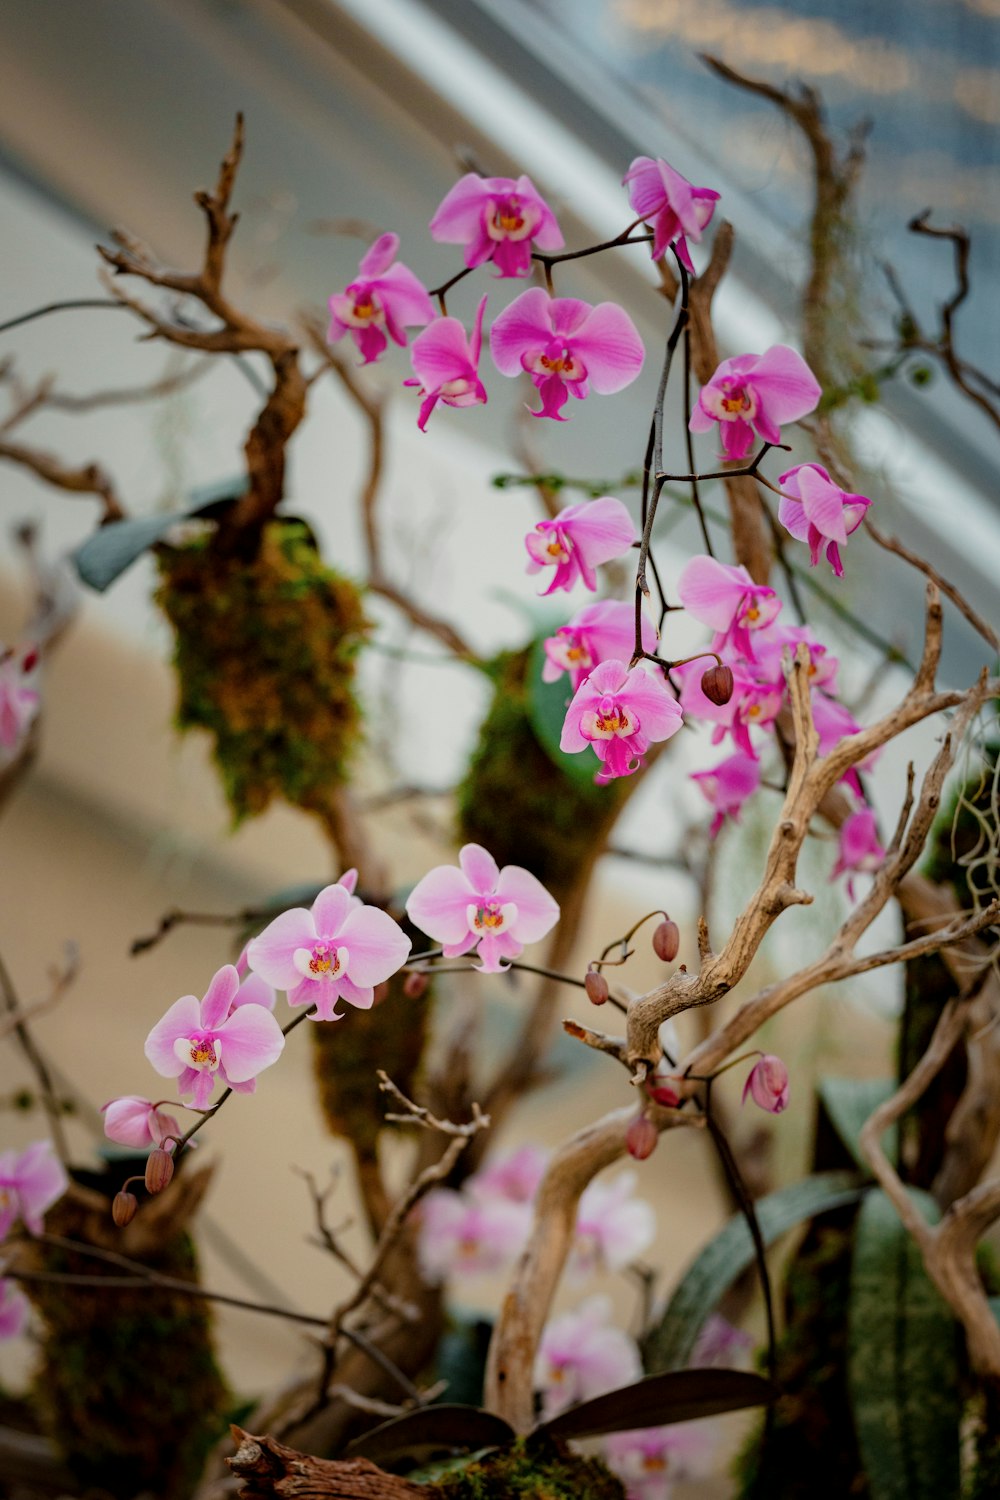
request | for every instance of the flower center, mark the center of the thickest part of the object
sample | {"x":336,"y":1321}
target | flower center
{"x":366,"y":308}
{"x":201,"y":1051}
{"x":323,"y":961}
{"x":738,"y":401}
{"x":510,"y":219}
{"x":490,"y":916}
{"x":609,"y":719}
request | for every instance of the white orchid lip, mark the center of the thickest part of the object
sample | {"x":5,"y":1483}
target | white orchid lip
{"x":203,"y":1053}
{"x":491,"y":916}
{"x":608,"y":722}
{"x":365,"y":310}
{"x":511,"y":219}
{"x":321,"y":962}
{"x":729,"y":402}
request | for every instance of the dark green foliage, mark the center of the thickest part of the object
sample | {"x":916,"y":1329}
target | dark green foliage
{"x":531,"y":1469}
{"x":516,"y":802}
{"x":265,"y":659}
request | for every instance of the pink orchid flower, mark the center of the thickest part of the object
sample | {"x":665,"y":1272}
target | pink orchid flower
{"x":726,"y":598}
{"x":30,"y":1182}
{"x":14,"y":1308}
{"x":727,"y":786}
{"x":619,"y":712}
{"x":755,"y":392}
{"x":134,"y":1121}
{"x":613,"y":1227}
{"x":18,"y":699}
{"x":767,"y":1084}
{"x":385,"y":299}
{"x":497,"y":219}
{"x":595,"y":632}
{"x":199,"y":1041}
{"x":446,"y":364}
{"x":648,"y":1460}
{"x":770,"y":647}
{"x":515,"y":1177}
{"x":860,"y":851}
{"x":756,"y":703}
{"x":481,"y":906}
{"x":819,"y":512}
{"x":338,"y":950}
{"x":578,"y":539}
{"x":461,"y":1235}
{"x":581,"y":1354}
{"x":566,"y":346}
{"x":667,"y":200}
{"x":720,"y":1344}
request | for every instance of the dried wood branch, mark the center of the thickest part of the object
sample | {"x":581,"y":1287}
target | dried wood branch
{"x":268,"y":1468}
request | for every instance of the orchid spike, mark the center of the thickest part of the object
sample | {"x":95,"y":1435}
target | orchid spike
{"x":726,"y":598}
{"x":338,"y":950}
{"x":595,"y":633}
{"x":578,"y":540}
{"x":767,"y":1084}
{"x":497,"y":219}
{"x":137,"y":1122}
{"x":446,"y":364}
{"x":619,"y":712}
{"x":666,"y":200}
{"x":755,"y":392}
{"x":815,"y":510}
{"x":566,"y":346}
{"x":481,"y":906}
{"x":30,"y":1182}
{"x":384,"y":299}
{"x":198,"y":1041}
{"x":581,"y":1354}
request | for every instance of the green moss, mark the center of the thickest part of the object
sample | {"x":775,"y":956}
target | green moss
{"x":516,"y":802}
{"x":265,"y":652}
{"x":532,"y":1469}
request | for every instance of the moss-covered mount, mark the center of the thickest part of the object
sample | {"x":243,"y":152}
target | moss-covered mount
{"x":265,"y":660}
{"x":532,"y":1469}
{"x":518,"y":803}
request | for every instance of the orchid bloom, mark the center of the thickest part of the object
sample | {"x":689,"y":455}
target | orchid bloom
{"x":667,"y":200}
{"x":566,"y":346}
{"x":767,"y":1084}
{"x":595,"y":632}
{"x":481,"y":906}
{"x":497,"y":219}
{"x":860,"y":851}
{"x":515,"y":1177}
{"x":134,"y":1121}
{"x":619,"y":712}
{"x":581,"y":1354}
{"x":726,"y":598}
{"x":385,"y":299}
{"x":770,"y":647}
{"x":446,"y":365}
{"x":755,"y":392}
{"x":648,"y":1460}
{"x":816,"y":511}
{"x":199,"y":1041}
{"x":337,"y":950}
{"x":578,"y":539}
{"x":463,"y":1235}
{"x":720,"y":1344}
{"x":727,"y":786}
{"x":613,"y":1227}
{"x":18,"y":699}
{"x":30,"y":1182}
{"x":14,"y":1308}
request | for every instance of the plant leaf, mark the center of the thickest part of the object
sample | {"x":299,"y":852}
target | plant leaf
{"x":429,"y":1433}
{"x":659,"y":1400}
{"x":902,"y":1369}
{"x":106,"y":554}
{"x":547,"y":703}
{"x":849,"y":1102}
{"x":669,"y":1344}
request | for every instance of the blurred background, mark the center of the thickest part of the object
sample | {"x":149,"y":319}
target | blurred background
{"x":359,"y":116}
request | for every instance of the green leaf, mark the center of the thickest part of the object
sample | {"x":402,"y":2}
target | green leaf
{"x":111,"y":549}
{"x":902,"y":1369}
{"x":659,"y":1400}
{"x":426,"y":1435}
{"x":547,"y":704}
{"x":669,"y":1345}
{"x":849,"y":1102}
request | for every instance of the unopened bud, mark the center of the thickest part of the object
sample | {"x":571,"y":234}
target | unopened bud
{"x":29,"y":660}
{"x":596,"y":986}
{"x":717,"y":684}
{"x":667,"y":941}
{"x":641,"y":1138}
{"x":415,"y":985}
{"x":159,"y":1170}
{"x":663,"y":1094}
{"x":123,"y":1209}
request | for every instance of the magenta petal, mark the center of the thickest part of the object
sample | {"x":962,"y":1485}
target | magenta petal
{"x":251,"y":1041}
{"x":329,"y":911}
{"x":602,"y":530}
{"x":659,"y":712}
{"x":14,"y":1309}
{"x":41,"y":1180}
{"x":376,"y":944}
{"x":380,"y":256}
{"x":405,"y":297}
{"x":491,"y":951}
{"x":441,"y":353}
{"x":219,"y":996}
{"x":710,"y":592}
{"x":438,"y":904}
{"x":646,"y":191}
{"x":256,"y":991}
{"x":460,"y":211}
{"x":182,"y":1019}
{"x":479,"y":868}
{"x":553,"y":393}
{"x":793,"y":518}
{"x":568,"y":315}
{"x":525,"y":325}
{"x":823,"y":504}
{"x":537,"y":912}
{"x":362,"y":997}
{"x":609,"y":344}
{"x":271,"y":955}
{"x":572,"y":740}
{"x":785,"y":384}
